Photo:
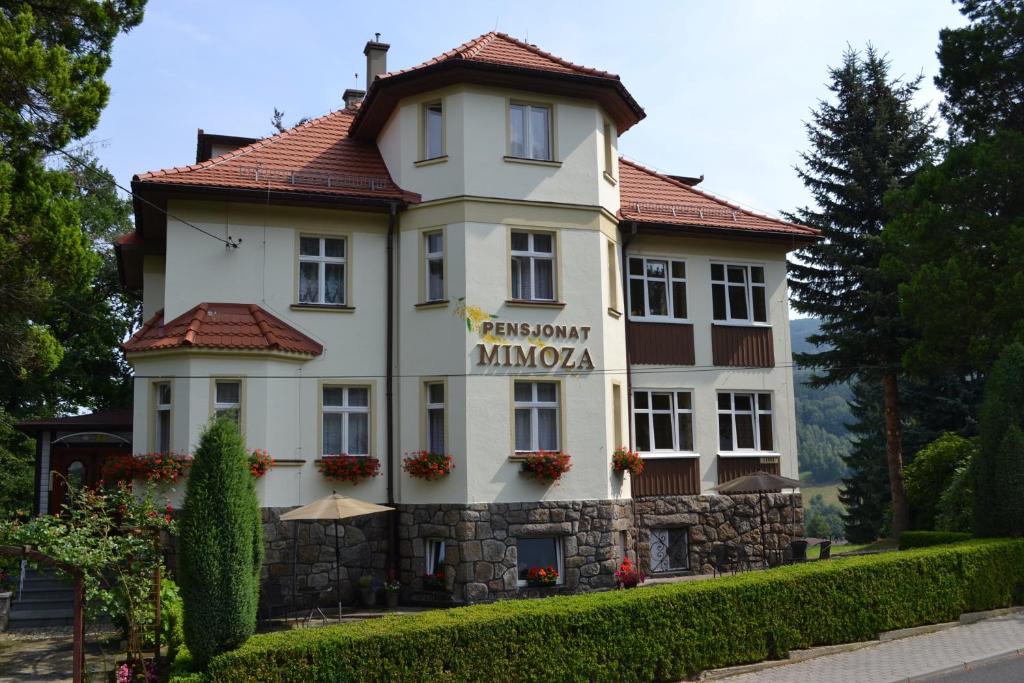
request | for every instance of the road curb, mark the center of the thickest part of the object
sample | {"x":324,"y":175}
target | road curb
{"x":964,"y":666}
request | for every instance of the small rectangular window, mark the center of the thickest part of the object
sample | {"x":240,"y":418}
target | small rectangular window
{"x":533,"y":266}
{"x":322,"y":265}
{"x":670,"y":549}
{"x":227,"y":400}
{"x":613,"y":276}
{"x":617,"y":414}
{"x":345,"y":421}
{"x":433,"y":257}
{"x":433,"y":131}
{"x":435,"y":417}
{"x":738,"y":293}
{"x":539,"y":552}
{"x":530,"y":131}
{"x":609,"y":149}
{"x":745,"y":422}
{"x":163,"y":417}
{"x":537,"y":416}
{"x":657,"y":288}
{"x":435,"y":555}
{"x":663,"y":421}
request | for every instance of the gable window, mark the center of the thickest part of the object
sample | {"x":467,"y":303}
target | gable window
{"x":433,"y":131}
{"x":530,"y":131}
{"x":533,"y":266}
{"x":663,"y":421}
{"x":227,"y":400}
{"x":162,"y":437}
{"x":738,"y":293}
{"x":322,"y":270}
{"x":435,"y":555}
{"x":540,"y":552}
{"x":657,"y":288}
{"x":346,"y":421}
{"x":433,"y":265}
{"x":435,"y":417}
{"x":670,"y":549}
{"x":536,"y":416}
{"x":745,"y":422}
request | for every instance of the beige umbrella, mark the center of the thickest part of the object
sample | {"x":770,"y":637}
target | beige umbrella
{"x":334,"y":507}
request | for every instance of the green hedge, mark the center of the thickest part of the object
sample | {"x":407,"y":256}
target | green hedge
{"x":925,"y":539}
{"x":664,"y":632}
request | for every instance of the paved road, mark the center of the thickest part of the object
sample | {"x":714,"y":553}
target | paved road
{"x":1001,"y":671}
{"x":910,"y":658}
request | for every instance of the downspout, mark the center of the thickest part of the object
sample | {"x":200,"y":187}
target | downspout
{"x":389,"y":381}
{"x":627,"y":237}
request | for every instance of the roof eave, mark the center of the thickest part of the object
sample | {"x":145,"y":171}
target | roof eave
{"x":795,"y":240}
{"x":277,"y":196}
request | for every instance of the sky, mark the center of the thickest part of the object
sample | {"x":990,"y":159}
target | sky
{"x":727,"y":85}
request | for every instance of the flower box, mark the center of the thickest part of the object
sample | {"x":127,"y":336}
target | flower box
{"x":434,"y":582}
{"x":625,"y":460}
{"x":546,"y":466}
{"x":350,"y":468}
{"x":427,"y":465}
{"x":260,"y":462}
{"x":541,"y":576}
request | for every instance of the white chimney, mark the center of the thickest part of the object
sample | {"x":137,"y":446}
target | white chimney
{"x":376,"y":59}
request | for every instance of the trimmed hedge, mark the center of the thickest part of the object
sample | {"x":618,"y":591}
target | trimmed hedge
{"x":664,"y":632}
{"x":925,"y":539}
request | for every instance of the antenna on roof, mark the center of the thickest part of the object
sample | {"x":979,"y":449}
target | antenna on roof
{"x":376,"y":37}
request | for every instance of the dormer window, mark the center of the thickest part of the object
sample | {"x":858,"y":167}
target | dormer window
{"x":530,"y":131}
{"x":433,"y":131}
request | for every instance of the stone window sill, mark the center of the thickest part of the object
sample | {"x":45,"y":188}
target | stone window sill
{"x":440,"y":303}
{"x":532,"y":303}
{"x":430,"y":162}
{"x":533,"y":162}
{"x":325,"y":308}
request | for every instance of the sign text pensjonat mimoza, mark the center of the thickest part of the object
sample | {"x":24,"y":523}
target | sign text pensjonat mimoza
{"x":537,"y":350}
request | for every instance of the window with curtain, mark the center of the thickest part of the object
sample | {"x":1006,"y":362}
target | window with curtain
{"x":738,"y":293}
{"x":533,"y":266}
{"x":539,"y":551}
{"x":322,"y":264}
{"x":536,"y":416}
{"x":433,"y":256}
{"x":530,"y":131}
{"x":657,"y":288}
{"x":227,"y":400}
{"x":435,"y":555}
{"x":162,"y":439}
{"x":433,"y":131}
{"x":745,"y":421}
{"x":663,"y":421}
{"x":435,"y":417}
{"x":346,"y":421}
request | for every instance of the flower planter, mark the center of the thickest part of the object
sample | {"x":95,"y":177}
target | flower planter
{"x":350,"y":468}
{"x":625,"y":460}
{"x":5,"y":609}
{"x":368,"y":596}
{"x":546,"y":467}
{"x":428,"y":466}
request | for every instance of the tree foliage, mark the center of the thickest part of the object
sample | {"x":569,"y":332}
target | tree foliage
{"x":931,"y":473}
{"x":221,"y":545}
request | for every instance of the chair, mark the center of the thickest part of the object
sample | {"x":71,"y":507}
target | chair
{"x":826,"y":550}
{"x":719,"y":558}
{"x":798,"y":550}
{"x":742,"y":559}
{"x":271,"y":600}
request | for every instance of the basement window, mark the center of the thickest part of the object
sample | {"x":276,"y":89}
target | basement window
{"x":541,"y":552}
{"x":670,"y":549}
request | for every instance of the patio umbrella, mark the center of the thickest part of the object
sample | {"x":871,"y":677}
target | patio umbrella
{"x":759,"y":483}
{"x":334,"y":507}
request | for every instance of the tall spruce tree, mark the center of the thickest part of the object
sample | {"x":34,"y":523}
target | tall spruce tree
{"x":867,"y":141}
{"x":865,"y":491}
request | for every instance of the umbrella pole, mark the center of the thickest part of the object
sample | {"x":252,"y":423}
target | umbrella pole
{"x":295,"y":562}
{"x":760,"y":519}
{"x":337,"y":560}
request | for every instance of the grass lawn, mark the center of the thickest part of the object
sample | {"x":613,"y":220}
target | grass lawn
{"x":829,"y":492}
{"x":881,"y":544}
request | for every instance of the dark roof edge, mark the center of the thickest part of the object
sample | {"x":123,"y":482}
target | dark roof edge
{"x":798,"y":240}
{"x":262,"y":196}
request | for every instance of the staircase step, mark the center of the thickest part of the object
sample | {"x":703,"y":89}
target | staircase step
{"x":41,"y":617}
{"x":40,"y":602}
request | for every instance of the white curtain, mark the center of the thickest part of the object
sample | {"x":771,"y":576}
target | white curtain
{"x":358,"y":434}
{"x":547,"y":429}
{"x":523,"y":429}
{"x":332,"y":434}
{"x":435,"y":430}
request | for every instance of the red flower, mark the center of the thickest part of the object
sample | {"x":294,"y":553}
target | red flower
{"x":629,"y":576}
{"x":351,"y":468}
{"x":547,"y":466}
{"x":427,"y":465}
{"x":625,"y":460}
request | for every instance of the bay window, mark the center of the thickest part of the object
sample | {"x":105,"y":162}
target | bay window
{"x":738,"y":293}
{"x":533,"y":266}
{"x":529,"y":131}
{"x":345,"y":418}
{"x":745,"y":422}
{"x":663,"y":421}
{"x":537,"y":417}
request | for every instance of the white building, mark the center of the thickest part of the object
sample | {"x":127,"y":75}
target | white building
{"x":460,"y":262}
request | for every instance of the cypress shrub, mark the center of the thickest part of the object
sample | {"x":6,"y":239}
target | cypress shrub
{"x":999,"y":465}
{"x":221,"y":545}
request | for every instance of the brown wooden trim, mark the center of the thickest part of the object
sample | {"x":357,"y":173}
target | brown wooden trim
{"x":741,"y":346}
{"x":668,"y":477}
{"x":660,"y":343}
{"x":730,"y":467}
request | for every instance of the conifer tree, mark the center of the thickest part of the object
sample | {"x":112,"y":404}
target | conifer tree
{"x":221,"y":545}
{"x":866,"y":142}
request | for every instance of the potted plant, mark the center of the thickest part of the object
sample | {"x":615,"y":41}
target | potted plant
{"x":541,"y":576}
{"x":367,"y":590}
{"x":350,"y":468}
{"x":260,"y":462}
{"x":6,"y":588}
{"x":391,"y":589}
{"x":434,"y":582}
{"x":546,"y":466}
{"x":427,"y":465}
{"x":625,"y":460}
{"x":629,"y":575}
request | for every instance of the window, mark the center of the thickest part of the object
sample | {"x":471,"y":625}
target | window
{"x":433,"y":131}
{"x":227,"y":400}
{"x":346,"y":421}
{"x":745,"y":422}
{"x":613,"y":277}
{"x":322,"y":270}
{"x":533,"y":266}
{"x":617,"y":414}
{"x":609,"y":149}
{"x":663,"y":421}
{"x":433,"y":265}
{"x":435,"y":555}
{"x":539,"y":551}
{"x":435,"y":417}
{"x":738,"y":293}
{"x":657,"y":288}
{"x":536,"y":417}
{"x":530,"y":131}
{"x":670,"y":549}
{"x":163,"y":417}
{"x":623,"y":545}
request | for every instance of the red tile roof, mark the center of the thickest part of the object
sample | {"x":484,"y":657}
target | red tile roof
{"x":500,"y":48}
{"x":316,"y":157}
{"x":647,"y":196}
{"x":245,"y":327}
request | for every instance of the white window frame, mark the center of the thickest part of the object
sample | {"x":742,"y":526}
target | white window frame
{"x":432,"y":566}
{"x":322,"y":260}
{"x":559,"y":559}
{"x":675,"y":411}
{"x":528,"y":130}
{"x":345,"y":410}
{"x":432,"y":406}
{"x":669,"y":290}
{"x":161,"y":407}
{"x":431,"y":257}
{"x":534,"y":406}
{"x":219,"y":406}
{"x":748,"y":285}
{"x":532,"y":256}
{"x":755,"y":412}
{"x":425,"y":154}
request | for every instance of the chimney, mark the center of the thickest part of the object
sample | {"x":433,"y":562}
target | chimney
{"x":376,"y":59}
{"x":353,"y":97}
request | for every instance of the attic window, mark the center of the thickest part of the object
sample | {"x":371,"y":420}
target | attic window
{"x":529,"y":128}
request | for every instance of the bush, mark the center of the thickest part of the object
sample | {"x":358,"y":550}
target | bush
{"x":999,"y":465}
{"x":924,"y":539}
{"x":930,"y":473}
{"x":221,"y":545}
{"x":674,"y":630}
{"x":956,"y":503}
{"x":172,"y":626}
